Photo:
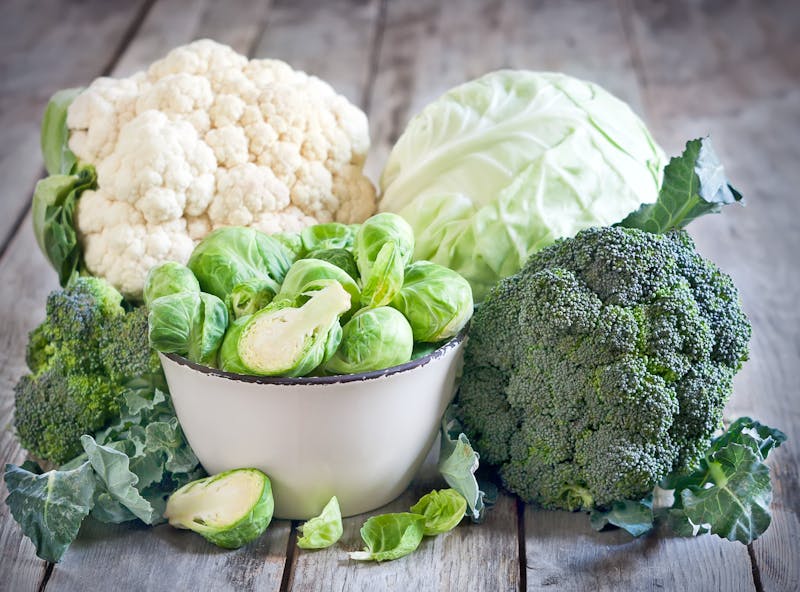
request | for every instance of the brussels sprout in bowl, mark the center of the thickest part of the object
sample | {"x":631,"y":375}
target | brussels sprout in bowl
{"x":360,"y":437}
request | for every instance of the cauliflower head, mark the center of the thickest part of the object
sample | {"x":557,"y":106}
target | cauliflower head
{"x":206,"y":138}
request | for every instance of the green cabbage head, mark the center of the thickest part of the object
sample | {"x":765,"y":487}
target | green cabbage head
{"x":499,"y":167}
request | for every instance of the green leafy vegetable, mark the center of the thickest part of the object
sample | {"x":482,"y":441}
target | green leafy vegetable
{"x":501,"y":166}
{"x":636,"y":517}
{"x":250,"y":296}
{"x":694,"y":185}
{"x":436,"y":301}
{"x":230,"y":509}
{"x":332,"y":235}
{"x":324,"y":530}
{"x":58,"y":158}
{"x":167,"y":279}
{"x":53,"y":212}
{"x":341,"y":258}
{"x":390,"y":536}
{"x":383,"y":247}
{"x":374,"y":338}
{"x":443,"y":510}
{"x":50,"y":507}
{"x":306,"y":271}
{"x":458,"y":463}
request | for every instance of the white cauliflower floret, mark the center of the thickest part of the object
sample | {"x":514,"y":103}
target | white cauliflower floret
{"x":207,"y":138}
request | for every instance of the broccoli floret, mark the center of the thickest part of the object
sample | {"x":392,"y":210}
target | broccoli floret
{"x":81,"y":358}
{"x":601,"y":367}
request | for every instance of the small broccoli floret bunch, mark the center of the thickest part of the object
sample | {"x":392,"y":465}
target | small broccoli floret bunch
{"x":602,"y":366}
{"x":82,"y":357}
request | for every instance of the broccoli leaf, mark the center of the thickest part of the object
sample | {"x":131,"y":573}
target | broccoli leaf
{"x":761,"y":438}
{"x":50,"y":507}
{"x":694,"y":185}
{"x":457,"y":464}
{"x":112,"y":469}
{"x":636,"y":517}
{"x":736,"y":505}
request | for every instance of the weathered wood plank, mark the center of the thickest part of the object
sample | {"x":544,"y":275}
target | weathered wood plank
{"x":568,"y":555}
{"x":733,"y":71}
{"x":470,"y":557}
{"x":332,"y":40}
{"x":45,"y":46}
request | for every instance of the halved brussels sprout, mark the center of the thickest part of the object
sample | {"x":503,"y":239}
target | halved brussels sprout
{"x":375,"y":338}
{"x":189,"y":324}
{"x":383,"y":247}
{"x":341,"y":258}
{"x":436,"y":300}
{"x":284,"y":340}
{"x":250,"y":296}
{"x":169,"y":278}
{"x":230,"y":509}
{"x":327,"y":236}
{"x":234,"y":254}
{"x":306,"y":271}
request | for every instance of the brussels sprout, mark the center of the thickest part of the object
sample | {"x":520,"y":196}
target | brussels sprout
{"x":230,"y":509}
{"x":375,"y":338}
{"x":231,"y":255}
{"x":436,"y":300}
{"x":190,"y":324}
{"x":305,"y":271}
{"x":250,"y":296}
{"x":383,"y":247}
{"x":327,"y":236}
{"x":292,"y":241}
{"x":169,"y":278}
{"x":341,"y":258}
{"x":284,"y":340}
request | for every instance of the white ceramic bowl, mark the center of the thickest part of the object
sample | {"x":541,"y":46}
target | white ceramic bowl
{"x":361,"y":437}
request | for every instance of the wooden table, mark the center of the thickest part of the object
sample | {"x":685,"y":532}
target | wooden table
{"x":690,"y":68}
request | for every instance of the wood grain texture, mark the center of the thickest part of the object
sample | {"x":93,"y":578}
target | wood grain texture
{"x":332,"y":40}
{"x":45,"y":46}
{"x":139,"y":558}
{"x":470,"y":557}
{"x":565,"y":554}
{"x":732,"y":70}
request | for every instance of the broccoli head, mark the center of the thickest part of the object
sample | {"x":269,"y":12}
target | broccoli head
{"x":82,"y":358}
{"x":601,"y":366}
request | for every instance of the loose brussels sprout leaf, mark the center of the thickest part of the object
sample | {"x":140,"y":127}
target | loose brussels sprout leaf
{"x":250,"y":296}
{"x":169,"y":278}
{"x":385,"y":277}
{"x":373,"y":234}
{"x":332,"y":235}
{"x":284,"y":340}
{"x":292,"y":241}
{"x":442,"y":509}
{"x":305,"y":271}
{"x":323,"y":530}
{"x":230,"y":509}
{"x":390,"y":536}
{"x":436,"y":300}
{"x":458,"y":463}
{"x":375,"y":338}
{"x":341,"y":258}
{"x":231,"y":255}
{"x":188,"y":324}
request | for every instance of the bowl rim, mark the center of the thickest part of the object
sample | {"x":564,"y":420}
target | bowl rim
{"x":323,"y":380}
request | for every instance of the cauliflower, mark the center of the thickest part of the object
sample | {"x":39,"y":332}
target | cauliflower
{"x":207,"y":138}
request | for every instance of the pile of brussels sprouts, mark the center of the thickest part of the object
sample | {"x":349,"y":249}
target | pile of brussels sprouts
{"x":332,"y":299}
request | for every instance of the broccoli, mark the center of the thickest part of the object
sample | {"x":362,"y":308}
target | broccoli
{"x":601,"y":367}
{"x":81,"y":358}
